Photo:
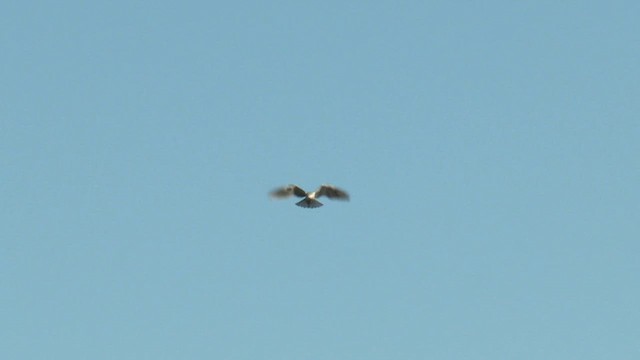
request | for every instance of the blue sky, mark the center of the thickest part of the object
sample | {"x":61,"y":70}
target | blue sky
{"x":490,"y":150}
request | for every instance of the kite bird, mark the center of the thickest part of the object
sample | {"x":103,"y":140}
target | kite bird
{"x":309,"y":200}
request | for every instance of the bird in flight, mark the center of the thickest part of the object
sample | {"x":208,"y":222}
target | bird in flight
{"x":309,"y":200}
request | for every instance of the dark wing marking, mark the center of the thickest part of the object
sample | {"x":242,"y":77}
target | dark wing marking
{"x":297,"y":191}
{"x":288,"y":191}
{"x":332,"y":192}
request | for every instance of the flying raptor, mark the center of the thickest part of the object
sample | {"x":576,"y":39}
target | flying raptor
{"x":309,"y":200}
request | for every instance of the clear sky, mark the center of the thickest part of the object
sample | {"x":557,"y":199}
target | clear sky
{"x":491,"y":150}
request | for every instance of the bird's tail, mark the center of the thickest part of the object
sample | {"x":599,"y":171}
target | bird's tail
{"x":309,"y":203}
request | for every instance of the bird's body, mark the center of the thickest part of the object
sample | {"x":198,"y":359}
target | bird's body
{"x":310,"y":198}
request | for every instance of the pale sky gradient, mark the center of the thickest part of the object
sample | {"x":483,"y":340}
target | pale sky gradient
{"x":491,"y":150}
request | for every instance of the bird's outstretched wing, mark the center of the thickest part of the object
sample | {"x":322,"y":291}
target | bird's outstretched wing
{"x":287,"y":191}
{"x":332,"y":192}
